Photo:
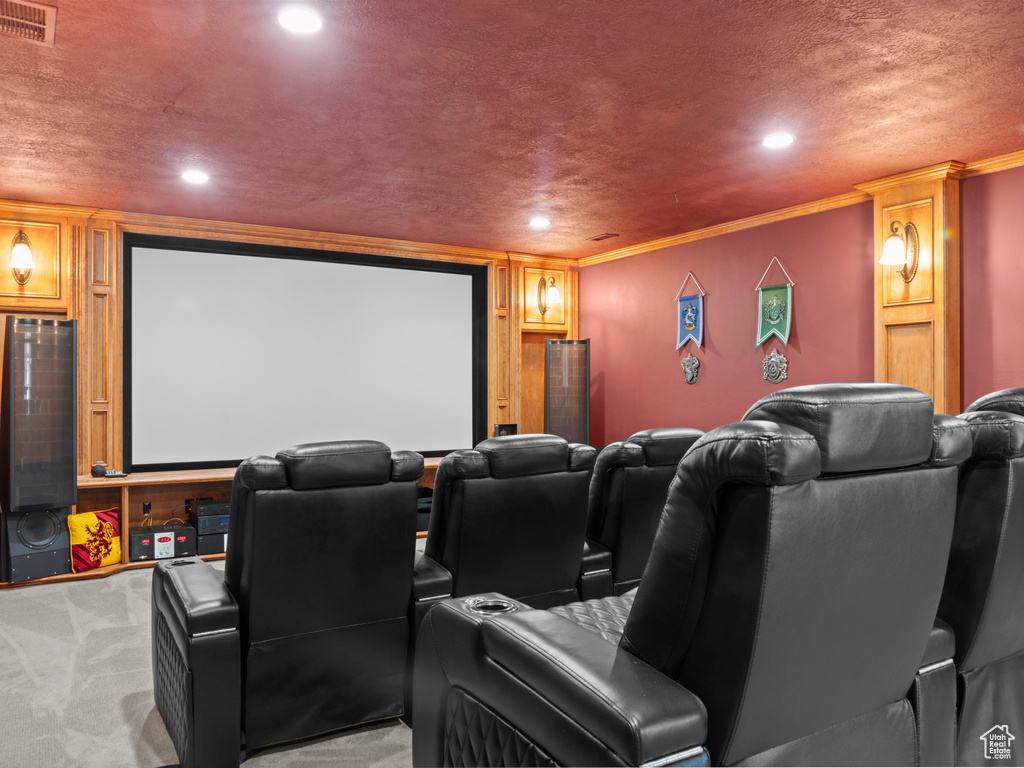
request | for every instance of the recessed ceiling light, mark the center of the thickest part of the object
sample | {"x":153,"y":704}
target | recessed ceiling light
{"x":778,"y":140}
{"x":299,"y":19}
{"x":195,"y":177}
{"x":539,"y":222}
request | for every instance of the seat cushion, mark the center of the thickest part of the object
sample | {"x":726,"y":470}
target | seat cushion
{"x":606,"y":615}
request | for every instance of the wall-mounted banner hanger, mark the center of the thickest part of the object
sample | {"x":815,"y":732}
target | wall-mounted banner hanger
{"x":689,"y":314}
{"x":774,"y":307}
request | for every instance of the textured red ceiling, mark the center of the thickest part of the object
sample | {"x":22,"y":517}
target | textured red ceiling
{"x":453,"y":122}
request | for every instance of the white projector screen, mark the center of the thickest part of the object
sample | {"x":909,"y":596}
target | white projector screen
{"x":234,"y":350}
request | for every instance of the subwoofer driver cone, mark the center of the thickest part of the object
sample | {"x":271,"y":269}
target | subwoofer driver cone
{"x":37,"y":530}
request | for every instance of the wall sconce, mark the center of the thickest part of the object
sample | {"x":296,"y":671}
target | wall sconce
{"x":547,"y":295}
{"x":21,"y":258}
{"x":902,"y":250}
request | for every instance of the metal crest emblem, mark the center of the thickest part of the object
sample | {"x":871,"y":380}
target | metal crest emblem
{"x":774,"y":367}
{"x":690,"y":365}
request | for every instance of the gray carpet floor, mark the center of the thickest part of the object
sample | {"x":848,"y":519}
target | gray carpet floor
{"x":76,"y":686}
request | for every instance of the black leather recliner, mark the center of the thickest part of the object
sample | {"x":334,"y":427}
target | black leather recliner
{"x":306,"y":630}
{"x":627,"y":495}
{"x":787,"y":607}
{"x":509,"y":516}
{"x":983,"y":598}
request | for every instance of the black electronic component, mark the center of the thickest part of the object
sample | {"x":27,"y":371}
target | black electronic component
{"x":161,"y":541}
{"x":209,"y":516}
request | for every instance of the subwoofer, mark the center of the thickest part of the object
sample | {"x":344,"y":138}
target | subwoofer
{"x":38,"y":446}
{"x":36,"y":544}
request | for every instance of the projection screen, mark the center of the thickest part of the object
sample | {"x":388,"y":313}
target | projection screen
{"x":234,"y":350}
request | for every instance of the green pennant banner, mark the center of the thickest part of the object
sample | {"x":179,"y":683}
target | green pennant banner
{"x":774,"y":312}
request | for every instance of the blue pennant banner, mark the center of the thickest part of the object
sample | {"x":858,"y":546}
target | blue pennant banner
{"x":690,"y":319}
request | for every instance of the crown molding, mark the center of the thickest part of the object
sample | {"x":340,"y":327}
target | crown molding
{"x":795,"y":211}
{"x":257,"y":233}
{"x":951,"y":169}
{"x":993,"y":164}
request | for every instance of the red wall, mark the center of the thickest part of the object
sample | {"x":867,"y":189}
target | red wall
{"x":992,"y":282}
{"x":627,"y":310}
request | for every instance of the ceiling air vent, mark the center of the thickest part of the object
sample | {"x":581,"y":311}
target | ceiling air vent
{"x":33,"y":22}
{"x":599,"y":238}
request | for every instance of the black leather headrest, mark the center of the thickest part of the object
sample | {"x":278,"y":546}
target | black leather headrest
{"x":581,"y":457}
{"x":1005,"y":400}
{"x":858,"y":427}
{"x":952,"y":441}
{"x":261,"y":473}
{"x":517,"y":455}
{"x":754,"y":452}
{"x":997,"y":434}
{"x":406,"y":465}
{"x":619,"y":454}
{"x":665,"y":446}
{"x":335,"y":464}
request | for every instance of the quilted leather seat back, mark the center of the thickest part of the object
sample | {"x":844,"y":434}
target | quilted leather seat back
{"x":793,"y":601}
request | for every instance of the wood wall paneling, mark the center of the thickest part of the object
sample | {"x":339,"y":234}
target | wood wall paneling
{"x":555,"y":314}
{"x":896,"y":290}
{"x":502,"y":395}
{"x":903,"y":362}
{"x":97,"y":438}
{"x":500,"y":287}
{"x":46,"y":288}
{"x":512,"y":414}
{"x":531,"y":383}
{"x":904,"y":352}
{"x":98,"y":327}
{"x":100,"y":266}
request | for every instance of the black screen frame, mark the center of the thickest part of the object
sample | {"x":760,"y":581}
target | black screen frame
{"x":477,"y":272}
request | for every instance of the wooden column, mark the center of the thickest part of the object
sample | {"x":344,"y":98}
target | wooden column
{"x":917,"y":322}
{"x":99,"y":366}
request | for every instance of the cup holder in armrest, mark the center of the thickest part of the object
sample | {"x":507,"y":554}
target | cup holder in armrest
{"x":489,"y":606}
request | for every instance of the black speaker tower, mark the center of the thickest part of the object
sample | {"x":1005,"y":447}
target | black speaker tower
{"x":567,"y":389}
{"x":38,"y":447}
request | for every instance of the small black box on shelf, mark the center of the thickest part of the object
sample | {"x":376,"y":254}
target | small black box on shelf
{"x":212,"y":544}
{"x":209,"y":516}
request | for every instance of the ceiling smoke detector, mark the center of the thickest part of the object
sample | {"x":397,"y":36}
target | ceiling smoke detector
{"x":32,"y":22}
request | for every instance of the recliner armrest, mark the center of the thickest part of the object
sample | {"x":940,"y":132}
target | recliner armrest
{"x":941,"y":644}
{"x":596,"y":557}
{"x":638,"y":712}
{"x":431,"y":583}
{"x":430,"y":580}
{"x":595,"y":578}
{"x":528,"y":665}
{"x":197,"y":662}
{"x":197,"y":595}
